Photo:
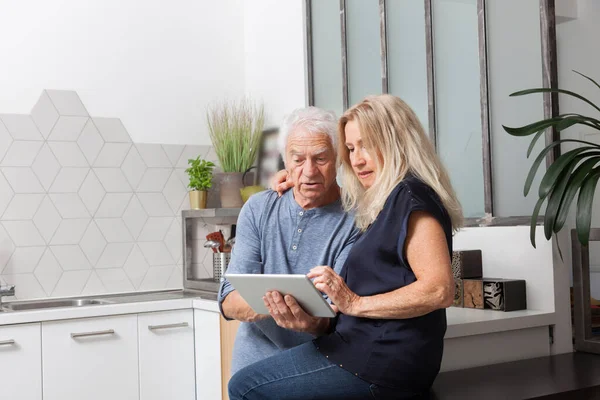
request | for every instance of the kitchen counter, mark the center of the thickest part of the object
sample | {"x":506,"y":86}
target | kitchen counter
{"x":461,"y":321}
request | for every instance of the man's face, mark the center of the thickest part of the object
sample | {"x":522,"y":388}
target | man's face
{"x":310,"y":161}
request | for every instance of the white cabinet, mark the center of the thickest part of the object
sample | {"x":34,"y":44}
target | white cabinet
{"x":20,"y":362}
{"x":92,"y":359}
{"x":166,"y":347}
{"x":208,"y":355}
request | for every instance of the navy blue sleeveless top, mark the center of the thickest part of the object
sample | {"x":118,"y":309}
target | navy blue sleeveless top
{"x":397,"y":353}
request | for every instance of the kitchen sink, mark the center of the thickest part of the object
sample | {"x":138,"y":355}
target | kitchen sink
{"x":42,"y":304}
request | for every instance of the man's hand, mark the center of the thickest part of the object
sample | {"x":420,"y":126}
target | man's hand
{"x":234,"y":306}
{"x":281,"y":182}
{"x":288,"y":314}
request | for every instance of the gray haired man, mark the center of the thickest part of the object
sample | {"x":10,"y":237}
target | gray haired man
{"x":291,"y":234}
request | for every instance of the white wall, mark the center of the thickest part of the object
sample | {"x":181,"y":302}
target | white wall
{"x":275,"y":55}
{"x":154,"y":64}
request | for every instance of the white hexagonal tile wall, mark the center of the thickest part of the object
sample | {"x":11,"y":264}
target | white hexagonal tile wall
{"x":90,"y":142}
{"x":113,"y":180}
{"x":26,"y":286}
{"x":93,"y":243}
{"x":155,"y":204}
{"x":113,"y":205}
{"x":157,"y":277}
{"x":91,"y":192}
{"x":24,"y":260}
{"x":21,"y":127}
{"x":70,"y":257}
{"x":67,"y":102}
{"x":46,"y":166}
{"x":69,"y":180}
{"x":69,"y":205}
{"x":133,"y":167}
{"x":173,"y":152}
{"x":48,"y":271}
{"x":135,"y":217}
{"x":114,"y":255}
{"x":44,"y":115}
{"x":23,"y":206}
{"x":22,"y":180}
{"x":174,"y":192}
{"x":71,"y":283}
{"x":112,"y":155}
{"x":93,"y":286}
{"x":68,"y":154}
{"x":21,"y":153}
{"x":156,"y":253}
{"x":114,"y":229}
{"x":5,"y":140}
{"x":68,"y":129}
{"x":154,"y":180}
{"x":155,"y":229}
{"x":47,"y":219}
{"x":70,"y":231}
{"x":190,"y":152}
{"x":136,"y":266}
{"x":115,"y":280}
{"x":112,"y":129}
{"x":23,"y":233}
{"x":153,"y":155}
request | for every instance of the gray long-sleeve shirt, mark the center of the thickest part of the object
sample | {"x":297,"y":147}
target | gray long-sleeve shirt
{"x":276,"y":236}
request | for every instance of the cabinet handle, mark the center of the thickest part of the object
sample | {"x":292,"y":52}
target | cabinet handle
{"x":168,"y":326}
{"x":97,"y":333}
{"x":8,"y":342}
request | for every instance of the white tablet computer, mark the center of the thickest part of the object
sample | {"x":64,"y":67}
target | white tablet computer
{"x":252,"y":288}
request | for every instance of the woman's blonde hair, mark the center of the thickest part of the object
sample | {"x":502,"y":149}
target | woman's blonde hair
{"x":392,"y":133}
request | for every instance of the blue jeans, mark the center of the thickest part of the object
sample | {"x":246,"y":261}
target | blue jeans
{"x":302,"y":373}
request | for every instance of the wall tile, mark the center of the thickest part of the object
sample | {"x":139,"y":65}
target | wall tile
{"x":114,"y":255}
{"x":156,"y":253}
{"x":112,"y":179}
{"x":133,"y":167}
{"x":112,"y":129}
{"x":91,"y":192}
{"x":155,"y":229}
{"x":48,"y":271}
{"x":71,"y":283}
{"x":114,"y":230}
{"x":27,"y":286}
{"x":70,"y":231}
{"x":174,"y":192}
{"x":46,"y":166}
{"x":136,"y":266}
{"x":113,"y":205}
{"x":191,"y":152}
{"x":94,"y":286}
{"x":5,"y":140}
{"x":21,"y":153}
{"x":67,"y":228}
{"x":69,"y":205}
{"x":69,"y":180}
{"x":153,"y":155}
{"x":67,"y":102}
{"x":155,"y":204}
{"x":47,"y":219}
{"x":68,"y":129}
{"x":154,"y":179}
{"x":112,"y":155}
{"x":173,"y":152}
{"x":23,"y":206}
{"x":115,"y":280}
{"x":44,"y":115}
{"x":70,"y":258}
{"x":90,"y":142}
{"x":23,"y":233}
{"x":93,"y":243}
{"x":24,"y":260}
{"x":135,"y":217}
{"x":68,"y":154}
{"x":157,"y":278}
{"x":21,"y":127}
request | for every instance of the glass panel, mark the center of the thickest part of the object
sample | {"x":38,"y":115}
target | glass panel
{"x":363,"y":43}
{"x":407,"y":55}
{"x":594,"y":280}
{"x":515,"y":63}
{"x":327,"y":55}
{"x":457,"y":96}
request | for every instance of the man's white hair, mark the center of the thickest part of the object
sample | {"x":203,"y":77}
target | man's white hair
{"x":311,"y":120}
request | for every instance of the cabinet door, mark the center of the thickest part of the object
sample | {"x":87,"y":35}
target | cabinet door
{"x":208,"y":355}
{"x":20,"y":362}
{"x":167,"y":355}
{"x":92,"y":359}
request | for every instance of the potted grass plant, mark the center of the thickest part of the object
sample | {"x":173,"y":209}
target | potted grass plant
{"x":201,"y":173}
{"x":235,"y":129}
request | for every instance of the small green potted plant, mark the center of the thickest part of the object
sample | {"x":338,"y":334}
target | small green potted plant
{"x":200,"y":172}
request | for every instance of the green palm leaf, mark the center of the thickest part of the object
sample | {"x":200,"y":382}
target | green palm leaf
{"x":552,"y":90}
{"x":584,"y":206}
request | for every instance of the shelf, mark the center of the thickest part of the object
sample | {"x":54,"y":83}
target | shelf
{"x":214,"y":216}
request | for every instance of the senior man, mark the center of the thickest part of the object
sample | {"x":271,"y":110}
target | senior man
{"x":291,"y":234}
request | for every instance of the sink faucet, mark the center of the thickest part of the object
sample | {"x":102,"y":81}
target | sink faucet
{"x":8,"y":290}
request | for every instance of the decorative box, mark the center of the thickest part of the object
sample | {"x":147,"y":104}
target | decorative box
{"x":504,"y":294}
{"x":458,"y":293}
{"x":473,"y":293}
{"x":467,"y":264}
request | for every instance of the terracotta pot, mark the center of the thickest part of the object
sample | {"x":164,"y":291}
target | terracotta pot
{"x":198,"y":199}
{"x":231,"y":183}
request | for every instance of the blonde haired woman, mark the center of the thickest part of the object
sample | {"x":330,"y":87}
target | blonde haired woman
{"x":387,"y":340}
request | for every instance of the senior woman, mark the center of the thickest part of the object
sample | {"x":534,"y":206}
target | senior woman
{"x":391,"y":294}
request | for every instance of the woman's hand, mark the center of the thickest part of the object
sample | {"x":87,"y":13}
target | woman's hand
{"x":281,"y":182}
{"x":329,"y":282}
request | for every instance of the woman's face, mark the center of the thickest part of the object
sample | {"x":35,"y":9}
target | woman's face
{"x":363,"y":165}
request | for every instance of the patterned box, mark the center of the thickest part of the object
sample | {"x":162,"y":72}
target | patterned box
{"x":458,"y":293}
{"x":467,"y":264}
{"x":504,"y":294}
{"x":473,"y":293}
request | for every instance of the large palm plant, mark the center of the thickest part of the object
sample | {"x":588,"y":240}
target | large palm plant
{"x":574,"y":171}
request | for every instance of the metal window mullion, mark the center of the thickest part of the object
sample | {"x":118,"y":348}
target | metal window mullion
{"x":309,"y":52}
{"x":344,"y":54}
{"x":488,"y":192}
{"x":430,"y":72}
{"x":383,"y":47}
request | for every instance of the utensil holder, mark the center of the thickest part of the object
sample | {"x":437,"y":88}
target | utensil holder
{"x":220,"y":263}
